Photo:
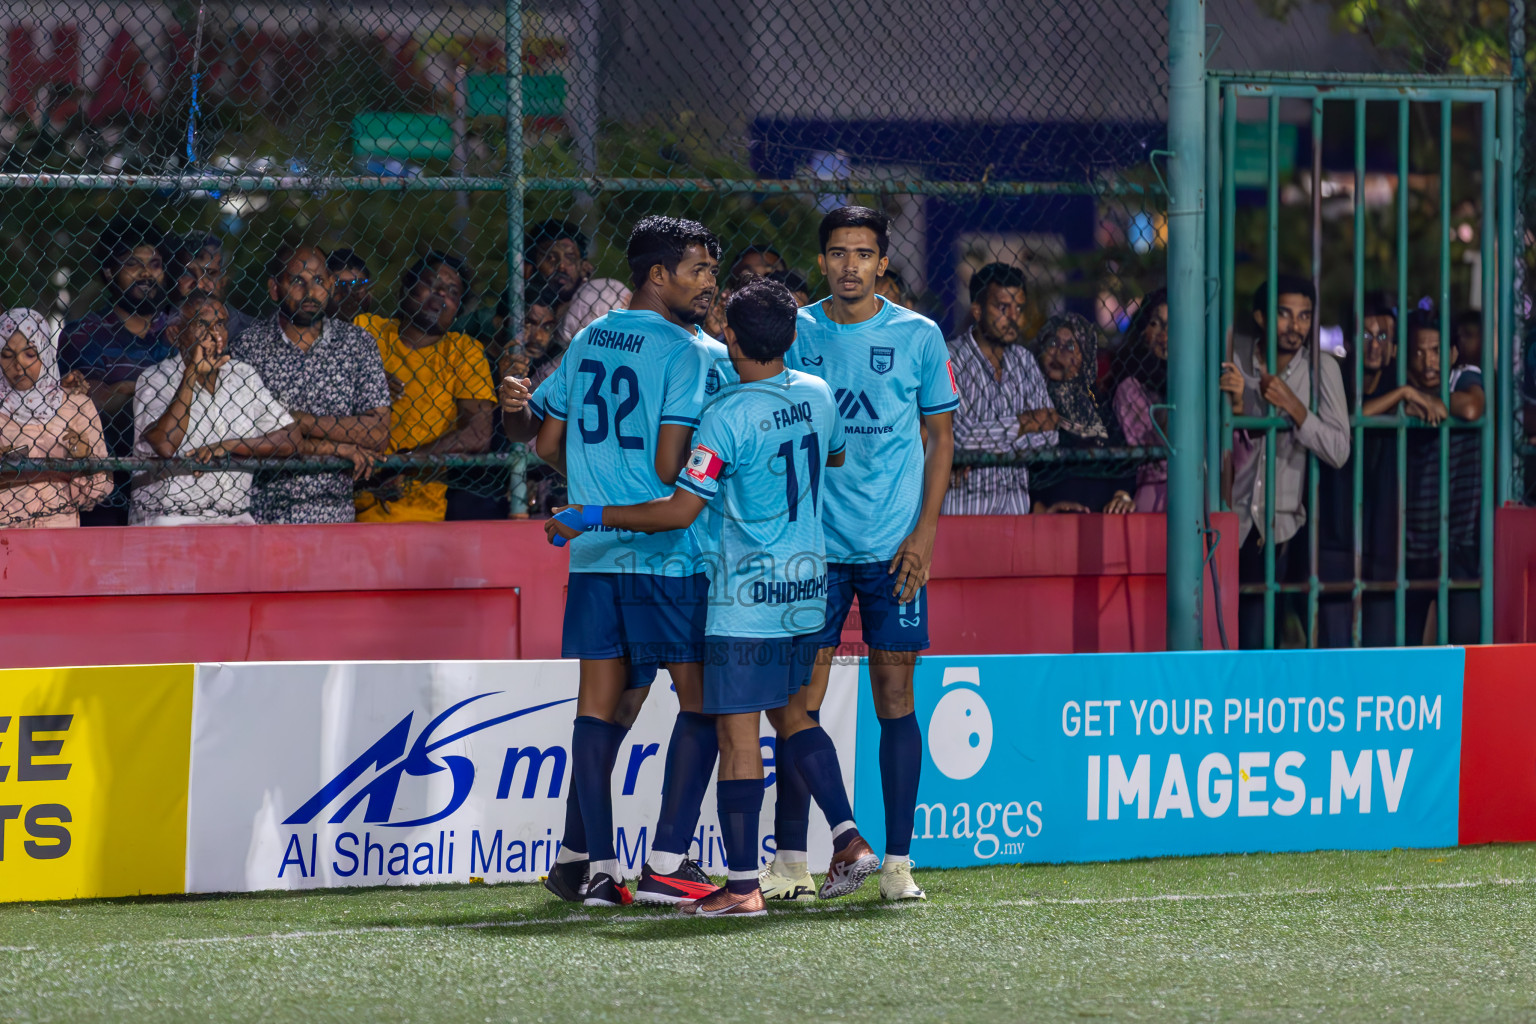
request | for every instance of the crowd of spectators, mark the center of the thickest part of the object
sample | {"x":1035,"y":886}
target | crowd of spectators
{"x":169,"y":368}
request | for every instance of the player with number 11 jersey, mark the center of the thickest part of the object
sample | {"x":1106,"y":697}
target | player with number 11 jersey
{"x":756,"y":474}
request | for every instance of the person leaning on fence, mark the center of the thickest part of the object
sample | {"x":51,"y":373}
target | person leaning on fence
{"x":1067,"y":350}
{"x":1140,"y":373}
{"x":555,"y":254}
{"x":202,"y":405}
{"x":328,"y":374}
{"x":105,"y":351}
{"x":40,"y":420}
{"x":441,"y":385}
{"x":1004,"y":407}
{"x":531,"y":356}
{"x":1377,"y":395}
{"x":757,"y":261}
{"x":1467,"y":333}
{"x":1252,"y":390}
{"x":795,"y":281}
{"x":352,"y":287}
{"x":595,"y":298}
{"x":892,"y":287}
{"x":197,"y":264}
{"x":1421,"y":520}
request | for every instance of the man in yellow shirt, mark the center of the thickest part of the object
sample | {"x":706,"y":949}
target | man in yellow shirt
{"x":440,"y":386}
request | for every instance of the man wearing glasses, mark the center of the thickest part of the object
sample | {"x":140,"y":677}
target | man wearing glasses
{"x":352,"y":294}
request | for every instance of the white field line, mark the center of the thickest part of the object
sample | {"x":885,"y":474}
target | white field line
{"x":926,"y":908}
{"x":1176,"y":897}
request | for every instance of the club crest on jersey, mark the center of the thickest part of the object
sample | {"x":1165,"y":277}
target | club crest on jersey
{"x":704,"y":464}
{"x":881,"y":359}
{"x":712,"y":381}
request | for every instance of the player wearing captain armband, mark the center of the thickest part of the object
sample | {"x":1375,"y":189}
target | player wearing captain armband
{"x":888,"y":368}
{"x":756,"y":478}
{"x":617,"y":418}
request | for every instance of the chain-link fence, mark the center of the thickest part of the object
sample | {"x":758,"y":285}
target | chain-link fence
{"x":159,"y":160}
{"x":167,"y":167}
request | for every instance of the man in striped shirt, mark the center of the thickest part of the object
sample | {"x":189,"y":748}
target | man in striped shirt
{"x":1004,"y":406}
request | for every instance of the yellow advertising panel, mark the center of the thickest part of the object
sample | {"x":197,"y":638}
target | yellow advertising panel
{"x":93,"y":781}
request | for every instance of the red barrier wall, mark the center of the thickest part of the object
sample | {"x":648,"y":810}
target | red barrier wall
{"x":1514,"y":575}
{"x":493,"y":590}
{"x":1498,"y":745}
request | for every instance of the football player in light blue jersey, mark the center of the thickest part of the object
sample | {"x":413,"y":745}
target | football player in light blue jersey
{"x":888,"y":368}
{"x":756,"y":474}
{"x":618,"y":418}
{"x":669,"y":875}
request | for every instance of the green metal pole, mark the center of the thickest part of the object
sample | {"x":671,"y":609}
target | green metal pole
{"x":1442,"y":604}
{"x":1511,"y":266}
{"x":1213,"y":321}
{"x":1228,"y":267}
{"x":1315,"y":355}
{"x":1271,"y":362}
{"x":1357,"y":353}
{"x":1404,"y":305}
{"x":1493,"y":380}
{"x":1506,"y":253}
{"x":512,"y":43}
{"x":1186,"y":328}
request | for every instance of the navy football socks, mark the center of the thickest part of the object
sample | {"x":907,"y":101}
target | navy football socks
{"x":740,"y":803}
{"x":816,"y":758}
{"x":594,"y":748}
{"x":901,"y":764}
{"x":691,"y":758}
{"x":574,"y":840}
{"x":792,"y":805}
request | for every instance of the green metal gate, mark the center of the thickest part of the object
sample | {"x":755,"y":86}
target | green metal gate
{"x":1453,"y":161}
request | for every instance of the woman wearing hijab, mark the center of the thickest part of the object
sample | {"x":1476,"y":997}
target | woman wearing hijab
{"x":1068,"y":353}
{"x":40,"y":420}
{"x":1141,"y":375}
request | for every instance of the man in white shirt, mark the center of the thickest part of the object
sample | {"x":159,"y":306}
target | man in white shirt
{"x":202,"y":405}
{"x":1251,"y":389}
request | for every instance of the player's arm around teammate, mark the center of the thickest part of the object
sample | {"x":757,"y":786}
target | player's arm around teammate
{"x":758,"y":461}
{"x":617,"y":415}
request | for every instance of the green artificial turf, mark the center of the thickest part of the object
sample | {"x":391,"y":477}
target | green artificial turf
{"x":1406,"y":935}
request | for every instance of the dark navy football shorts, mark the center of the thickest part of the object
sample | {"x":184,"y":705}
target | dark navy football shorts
{"x":652,"y":620}
{"x":754,"y":673}
{"x":888,"y":624}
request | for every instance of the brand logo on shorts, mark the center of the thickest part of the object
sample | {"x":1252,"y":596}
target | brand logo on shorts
{"x":960,"y":729}
{"x":388,"y":758}
{"x":881,"y":359}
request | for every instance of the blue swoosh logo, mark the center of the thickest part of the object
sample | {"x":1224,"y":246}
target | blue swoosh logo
{"x":808,"y":361}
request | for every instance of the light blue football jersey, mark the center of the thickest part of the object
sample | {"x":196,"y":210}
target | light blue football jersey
{"x":622,"y":377}
{"x":760,"y":460}
{"x":884,"y":374}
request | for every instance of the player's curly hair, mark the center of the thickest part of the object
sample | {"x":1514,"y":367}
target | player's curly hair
{"x":761,"y":314}
{"x":662,"y":241}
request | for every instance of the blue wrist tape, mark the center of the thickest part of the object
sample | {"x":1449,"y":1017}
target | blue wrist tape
{"x":591,"y":516}
{"x":568,"y":517}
